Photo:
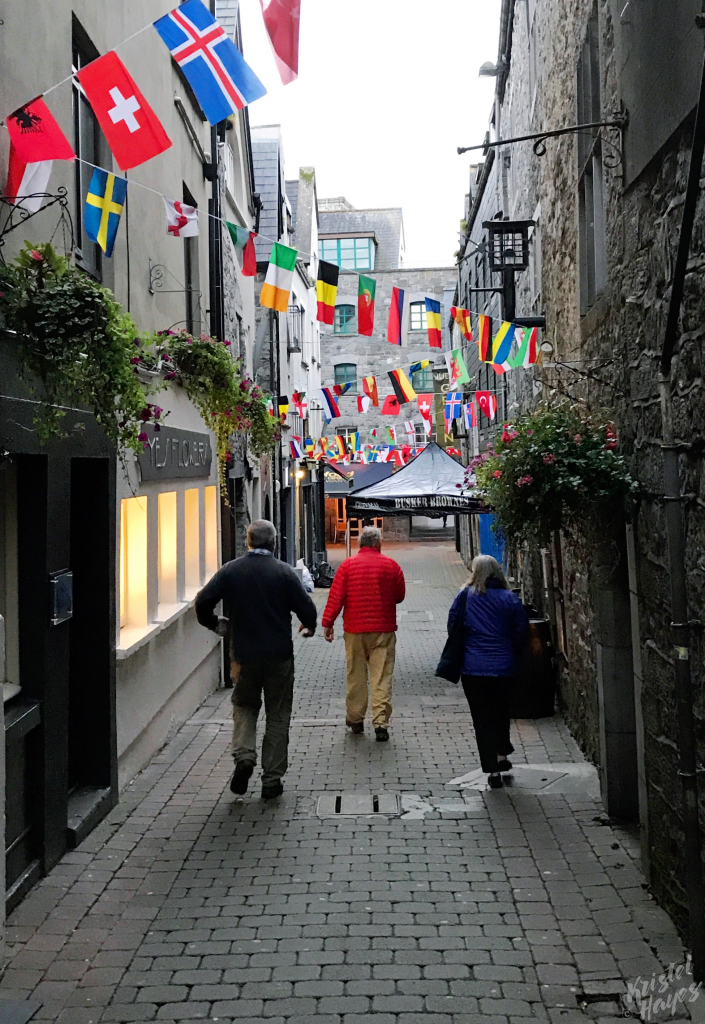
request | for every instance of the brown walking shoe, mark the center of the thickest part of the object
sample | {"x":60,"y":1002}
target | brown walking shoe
{"x":356,"y":727}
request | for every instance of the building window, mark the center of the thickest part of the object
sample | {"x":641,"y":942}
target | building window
{"x":344,"y":321}
{"x":421,"y":436}
{"x":87,"y":145}
{"x":167,"y":547}
{"x":346,"y":373}
{"x":348,"y":253}
{"x":422,"y":381}
{"x":591,"y":212}
{"x":192,"y":542}
{"x":211,"y":516}
{"x":133,"y":562}
{"x":417,"y":316}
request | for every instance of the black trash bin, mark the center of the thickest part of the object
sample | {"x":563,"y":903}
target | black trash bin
{"x":534,"y":692}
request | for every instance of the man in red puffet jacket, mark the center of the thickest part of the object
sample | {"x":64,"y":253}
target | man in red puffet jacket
{"x":368,"y":588}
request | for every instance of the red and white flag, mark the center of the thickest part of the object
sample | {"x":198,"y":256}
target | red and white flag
{"x":134,"y":132}
{"x":363,"y":403}
{"x":425,"y":404}
{"x":487,"y":402}
{"x":35,"y":142}
{"x":281,"y":19}
{"x":181,"y":220}
{"x":410,"y":428}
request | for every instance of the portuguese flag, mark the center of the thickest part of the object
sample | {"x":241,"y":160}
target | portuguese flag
{"x":366,"y":305}
{"x":277,"y":283}
{"x":326,"y":290}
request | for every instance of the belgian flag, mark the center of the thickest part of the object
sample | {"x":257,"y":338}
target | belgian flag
{"x":326,"y":290}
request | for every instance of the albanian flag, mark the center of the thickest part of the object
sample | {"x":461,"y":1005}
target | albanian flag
{"x":326,"y":290}
{"x":366,"y":305}
{"x":391,"y":406}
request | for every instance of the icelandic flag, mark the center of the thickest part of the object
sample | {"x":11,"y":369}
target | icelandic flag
{"x":213,"y":65}
{"x":454,"y":405}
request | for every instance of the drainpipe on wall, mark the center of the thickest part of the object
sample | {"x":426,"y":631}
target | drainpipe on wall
{"x":675,"y":531}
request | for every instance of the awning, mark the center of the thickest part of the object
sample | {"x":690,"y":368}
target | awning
{"x":429,"y":485}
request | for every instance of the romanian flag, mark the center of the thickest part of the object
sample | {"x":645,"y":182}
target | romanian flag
{"x":296,"y":449}
{"x":483,"y":340}
{"x":366,"y":305}
{"x":462,"y":319}
{"x":369,"y":386}
{"x":396,"y":311}
{"x":502,"y":345}
{"x":283,"y":406}
{"x":309,"y":445}
{"x":280,"y":273}
{"x":326,"y":290}
{"x":433,"y":320}
{"x":341,"y":447}
{"x":402,"y":386}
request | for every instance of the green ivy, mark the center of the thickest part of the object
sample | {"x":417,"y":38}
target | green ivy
{"x":75,"y":338}
{"x":555,"y":468}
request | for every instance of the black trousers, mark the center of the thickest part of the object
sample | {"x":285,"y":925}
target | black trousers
{"x":488,"y":697}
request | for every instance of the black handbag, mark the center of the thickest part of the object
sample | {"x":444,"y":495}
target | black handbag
{"x":450,"y":666}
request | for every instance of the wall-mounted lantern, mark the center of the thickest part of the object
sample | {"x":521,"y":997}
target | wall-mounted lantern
{"x":508,"y":245}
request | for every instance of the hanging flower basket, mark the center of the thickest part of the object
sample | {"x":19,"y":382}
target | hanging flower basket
{"x":557,"y":468}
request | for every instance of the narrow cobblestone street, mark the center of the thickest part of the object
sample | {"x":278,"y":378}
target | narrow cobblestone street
{"x":188,"y":905}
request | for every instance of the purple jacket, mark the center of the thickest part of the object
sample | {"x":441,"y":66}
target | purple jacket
{"x":496,"y":630}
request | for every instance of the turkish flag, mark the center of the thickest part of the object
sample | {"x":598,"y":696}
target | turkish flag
{"x":133,"y":130}
{"x":281,"y":18}
{"x":391,"y":406}
{"x":487,"y":402}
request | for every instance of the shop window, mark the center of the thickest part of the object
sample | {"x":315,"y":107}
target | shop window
{"x":167,"y":548}
{"x":211,"y":509}
{"x":417,"y":317}
{"x":192,"y":542}
{"x":133,"y":562}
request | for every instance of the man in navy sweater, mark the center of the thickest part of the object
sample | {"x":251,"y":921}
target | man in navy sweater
{"x":259,"y":593}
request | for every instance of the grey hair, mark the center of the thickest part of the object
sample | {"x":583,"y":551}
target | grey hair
{"x":261,"y":534}
{"x":484,"y":568}
{"x":370,"y":537}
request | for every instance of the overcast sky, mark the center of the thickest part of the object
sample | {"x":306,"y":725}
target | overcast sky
{"x":387,"y":90}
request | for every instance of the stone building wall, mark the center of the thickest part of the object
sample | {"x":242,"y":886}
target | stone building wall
{"x":621,"y":335}
{"x":374,"y":355}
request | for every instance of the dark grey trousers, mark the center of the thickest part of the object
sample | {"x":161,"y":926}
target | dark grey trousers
{"x":253,"y":681}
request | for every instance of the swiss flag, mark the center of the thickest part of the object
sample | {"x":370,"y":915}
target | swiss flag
{"x":133,"y":130}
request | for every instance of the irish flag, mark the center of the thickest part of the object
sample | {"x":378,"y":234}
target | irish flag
{"x":277,"y":283}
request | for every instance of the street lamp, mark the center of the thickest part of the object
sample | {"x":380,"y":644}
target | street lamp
{"x":508,"y":249}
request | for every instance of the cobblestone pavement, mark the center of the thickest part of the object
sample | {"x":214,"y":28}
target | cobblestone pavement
{"x":473,"y":905}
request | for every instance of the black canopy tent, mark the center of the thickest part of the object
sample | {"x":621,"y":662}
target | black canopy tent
{"x":430,"y":485}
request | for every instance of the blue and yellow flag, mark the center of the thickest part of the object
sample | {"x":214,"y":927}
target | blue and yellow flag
{"x":104,"y":203}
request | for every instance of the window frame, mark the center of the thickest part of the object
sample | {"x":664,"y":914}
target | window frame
{"x":330,"y":250}
{"x":338,"y":320}
{"x":347,"y":379}
{"x":413,"y":308}
{"x":426,"y":378}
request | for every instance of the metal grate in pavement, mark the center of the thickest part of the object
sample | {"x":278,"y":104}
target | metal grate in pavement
{"x":333,"y":805}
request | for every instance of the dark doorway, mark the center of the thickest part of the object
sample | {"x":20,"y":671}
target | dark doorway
{"x":92,"y":754}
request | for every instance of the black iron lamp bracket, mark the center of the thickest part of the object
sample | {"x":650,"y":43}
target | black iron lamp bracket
{"x":618,"y":122}
{"x":18,"y":214}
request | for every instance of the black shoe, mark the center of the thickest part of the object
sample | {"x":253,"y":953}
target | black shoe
{"x":382,"y":734}
{"x":241,"y":776}
{"x":272,"y":790}
{"x":504,"y":765}
{"x":356,"y":727}
{"x":495,"y":781}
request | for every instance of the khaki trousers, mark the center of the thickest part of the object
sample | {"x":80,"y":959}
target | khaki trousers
{"x":376,"y":651}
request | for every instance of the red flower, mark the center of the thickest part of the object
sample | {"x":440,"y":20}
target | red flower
{"x":497,"y":474}
{"x":136,"y":359}
{"x":524,"y":480}
{"x":529,"y":432}
{"x":36,"y":255}
{"x":578,"y":439}
{"x":549,"y":458}
{"x":146,"y":414}
{"x":227,"y":344}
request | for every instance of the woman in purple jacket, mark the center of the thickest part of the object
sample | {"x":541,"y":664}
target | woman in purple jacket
{"x":496,"y":632}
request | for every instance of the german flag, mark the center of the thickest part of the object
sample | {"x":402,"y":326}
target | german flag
{"x":402,"y":386}
{"x":326,"y":290}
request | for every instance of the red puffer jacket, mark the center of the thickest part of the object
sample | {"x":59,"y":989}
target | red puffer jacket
{"x":368,"y":587}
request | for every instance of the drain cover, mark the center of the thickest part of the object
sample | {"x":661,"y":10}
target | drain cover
{"x":333,"y":805}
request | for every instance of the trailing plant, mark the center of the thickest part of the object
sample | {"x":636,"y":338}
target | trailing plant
{"x":226,"y":397}
{"x":78,"y":342}
{"x":554,"y":468}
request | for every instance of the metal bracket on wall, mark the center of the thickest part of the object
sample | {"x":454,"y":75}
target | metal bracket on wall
{"x":18,"y":214}
{"x":618,"y":122}
{"x":156,"y":281}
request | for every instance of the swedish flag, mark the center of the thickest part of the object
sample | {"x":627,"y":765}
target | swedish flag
{"x":104,"y":203}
